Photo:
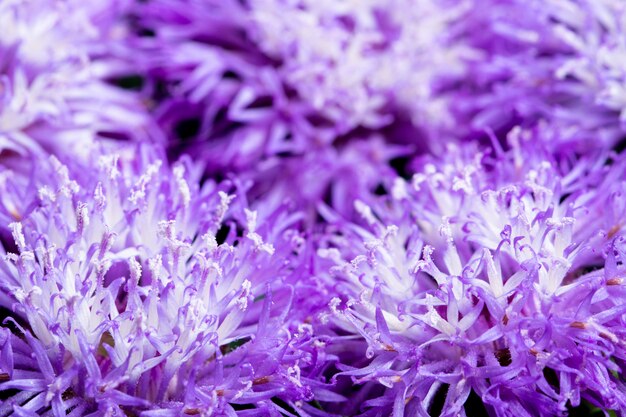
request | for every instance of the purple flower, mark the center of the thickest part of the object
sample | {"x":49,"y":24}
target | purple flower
{"x":213,"y":92}
{"x":235,"y":85}
{"x":359,"y":62}
{"x":493,"y":277}
{"x":558,"y":62}
{"x":138,"y":291}
{"x":53,"y":94}
{"x":224,"y":102}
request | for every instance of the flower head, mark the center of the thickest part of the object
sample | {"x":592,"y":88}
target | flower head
{"x":138,"y":291}
{"x":54,"y":63}
{"x":213,"y":92}
{"x":359,"y":62}
{"x":558,"y":62}
{"x":486,"y":277}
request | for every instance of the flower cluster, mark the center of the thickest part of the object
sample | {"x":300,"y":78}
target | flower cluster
{"x":312,"y":208}
{"x":214,"y":93}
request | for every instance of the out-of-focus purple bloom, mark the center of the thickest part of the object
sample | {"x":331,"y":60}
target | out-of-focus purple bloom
{"x":235,"y":84}
{"x":138,"y":291}
{"x":500,"y":276}
{"x":53,"y":66}
{"x":213,"y":92}
{"x":358,"y":63}
{"x":556,"y":61}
